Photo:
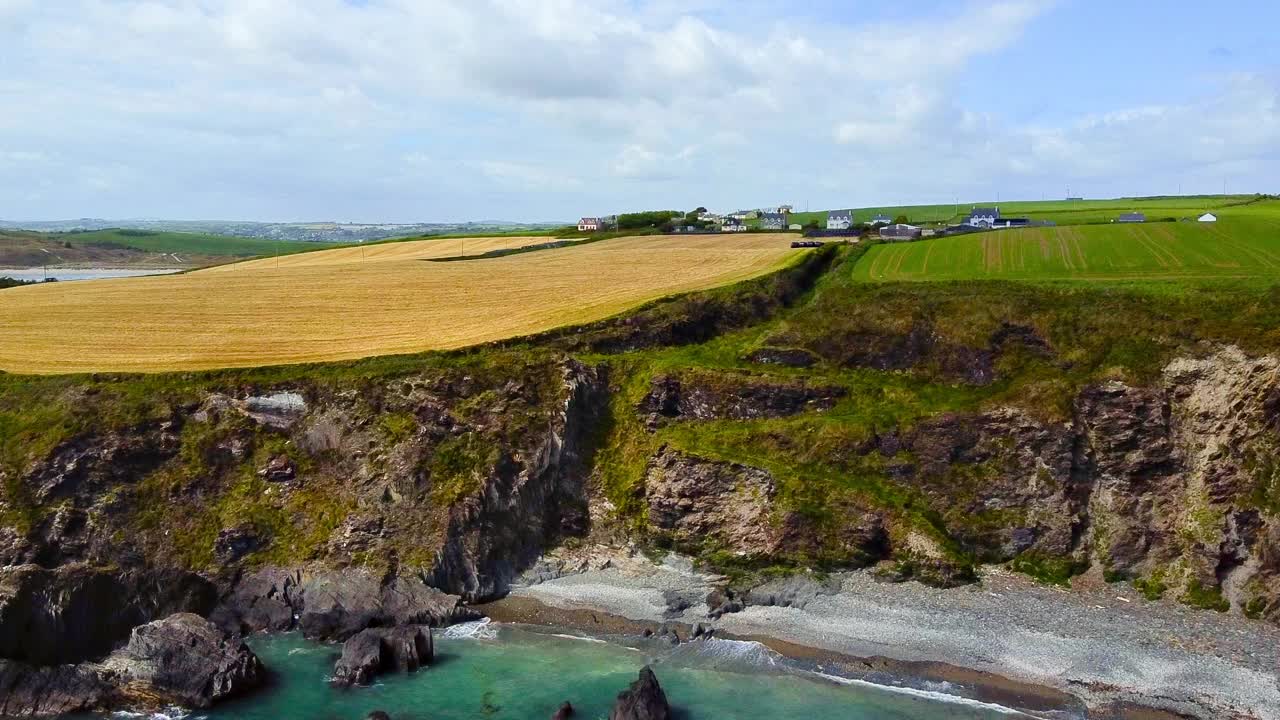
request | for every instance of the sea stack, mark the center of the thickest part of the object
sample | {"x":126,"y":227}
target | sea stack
{"x":644,"y":700}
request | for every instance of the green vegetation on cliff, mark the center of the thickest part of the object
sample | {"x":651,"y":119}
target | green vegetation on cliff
{"x":955,"y":423}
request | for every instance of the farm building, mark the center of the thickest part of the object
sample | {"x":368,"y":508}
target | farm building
{"x":839,"y":219}
{"x":983,"y":217}
{"x":1004,"y":223}
{"x":1133,"y":217}
{"x":588,"y":224}
{"x":1208,"y":217}
{"x":900,"y":231}
{"x":773,"y":221}
{"x":881,"y":219}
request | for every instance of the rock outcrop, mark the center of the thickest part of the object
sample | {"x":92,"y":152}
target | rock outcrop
{"x":371,"y":652}
{"x":732,"y":397}
{"x":696,"y":502}
{"x":76,"y":613}
{"x":644,"y":700}
{"x":334,"y":604}
{"x":527,"y":500}
{"x":30,"y":691}
{"x":181,"y":660}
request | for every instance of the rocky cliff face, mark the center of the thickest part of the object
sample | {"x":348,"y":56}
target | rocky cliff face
{"x":321,"y":508}
{"x":393,"y":500}
{"x":1173,"y":487}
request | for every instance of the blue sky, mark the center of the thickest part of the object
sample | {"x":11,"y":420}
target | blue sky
{"x":415,"y":110}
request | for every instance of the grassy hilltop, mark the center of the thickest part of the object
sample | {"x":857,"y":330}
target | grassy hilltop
{"x":1243,"y":245}
{"x":1063,"y":212}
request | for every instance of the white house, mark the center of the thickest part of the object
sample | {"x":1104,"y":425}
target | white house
{"x":732,"y":224}
{"x":881,"y":219}
{"x":839,"y":219}
{"x":983,"y":217}
{"x":1208,"y":217}
{"x":773,"y":221}
{"x":587,"y":224}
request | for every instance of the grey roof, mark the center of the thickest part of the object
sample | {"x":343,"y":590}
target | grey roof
{"x":780,"y":217}
{"x":881,"y":217}
{"x":840,"y":215}
{"x":985,"y":211}
{"x":1133,"y":217}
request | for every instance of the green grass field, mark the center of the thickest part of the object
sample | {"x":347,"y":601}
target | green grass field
{"x":1063,"y":212}
{"x":179,"y":242}
{"x":1243,"y":245}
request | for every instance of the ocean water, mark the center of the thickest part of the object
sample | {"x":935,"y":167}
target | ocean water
{"x":487,"y":671}
{"x":66,"y":274}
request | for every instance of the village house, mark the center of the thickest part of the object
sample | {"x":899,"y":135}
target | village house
{"x":901,"y":231}
{"x":588,"y":224}
{"x":983,"y":217}
{"x":773,"y":221}
{"x":786,"y":209}
{"x":839,"y":219}
{"x":881,"y":219}
{"x":1133,"y":217}
{"x":733,"y":224}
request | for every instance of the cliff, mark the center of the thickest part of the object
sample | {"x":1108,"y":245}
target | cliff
{"x":793,"y":422}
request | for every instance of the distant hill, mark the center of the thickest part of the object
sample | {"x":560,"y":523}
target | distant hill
{"x":329,"y":232}
{"x":132,"y":248}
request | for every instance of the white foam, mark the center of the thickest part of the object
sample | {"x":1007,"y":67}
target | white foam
{"x":481,"y":629}
{"x":580,"y":637}
{"x":925,"y":694}
{"x":720,"y":654}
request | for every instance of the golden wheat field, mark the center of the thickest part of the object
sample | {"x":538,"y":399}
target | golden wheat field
{"x":335,"y":305}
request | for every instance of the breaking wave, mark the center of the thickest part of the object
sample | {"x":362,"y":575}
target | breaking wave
{"x":481,"y":629}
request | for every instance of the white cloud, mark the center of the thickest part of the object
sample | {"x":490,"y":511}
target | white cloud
{"x":403,"y":110}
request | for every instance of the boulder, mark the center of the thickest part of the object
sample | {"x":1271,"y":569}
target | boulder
{"x":363,"y":657}
{"x":371,"y":652}
{"x":644,"y":700}
{"x":377,"y":715}
{"x":181,"y":660}
{"x":279,"y":469}
{"x":795,"y":591}
{"x":279,"y":410}
{"x":564,"y":712}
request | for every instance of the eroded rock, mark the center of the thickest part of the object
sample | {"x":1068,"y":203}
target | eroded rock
{"x":181,"y":660}
{"x":644,"y":700}
{"x":371,"y":652}
{"x":698,"y":501}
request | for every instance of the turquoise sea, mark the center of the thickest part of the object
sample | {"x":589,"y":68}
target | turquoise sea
{"x":511,"y":673}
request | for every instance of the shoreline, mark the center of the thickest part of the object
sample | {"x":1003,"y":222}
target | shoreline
{"x":1097,"y":651}
{"x":986,"y":688}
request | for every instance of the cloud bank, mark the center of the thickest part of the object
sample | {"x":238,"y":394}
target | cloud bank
{"x":398,"y":110}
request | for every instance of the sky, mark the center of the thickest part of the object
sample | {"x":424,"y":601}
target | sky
{"x":541,"y":110}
